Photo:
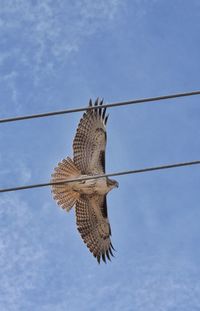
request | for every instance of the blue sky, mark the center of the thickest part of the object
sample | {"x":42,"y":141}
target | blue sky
{"x":56,"y":55}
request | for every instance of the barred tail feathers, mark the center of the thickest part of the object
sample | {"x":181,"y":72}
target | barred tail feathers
{"x":63,"y":194}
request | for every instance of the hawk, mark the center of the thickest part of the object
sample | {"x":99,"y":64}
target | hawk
{"x":88,"y":196}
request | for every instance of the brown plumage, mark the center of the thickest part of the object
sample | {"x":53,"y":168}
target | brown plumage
{"x":88,"y":197}
{"x":90,"y":141}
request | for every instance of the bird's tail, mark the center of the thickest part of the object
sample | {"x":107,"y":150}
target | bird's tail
{"x":63,"y":193}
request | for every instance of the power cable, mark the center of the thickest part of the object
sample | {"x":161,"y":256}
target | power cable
{"x":130,"y":102}
{"x":143,"y":170}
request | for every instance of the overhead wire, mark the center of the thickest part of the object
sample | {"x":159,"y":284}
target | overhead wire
{"x":136,"y":171}
{"x":130,"y":102}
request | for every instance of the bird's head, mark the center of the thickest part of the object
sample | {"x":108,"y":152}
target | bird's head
{"x":112,"y":183}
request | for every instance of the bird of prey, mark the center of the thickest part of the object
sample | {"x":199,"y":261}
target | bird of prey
{"x":88,"y":196}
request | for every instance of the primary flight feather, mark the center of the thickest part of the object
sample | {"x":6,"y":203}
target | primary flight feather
{"x":89,"y":196}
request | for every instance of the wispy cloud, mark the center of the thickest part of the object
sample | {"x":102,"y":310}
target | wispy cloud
{"x":48,"y":33}
{"x":9,"y":81}
{"x":38,"y":38}
{"x":13,"y":169}
{"x":152,"y":286}
{"x":19,"y":259}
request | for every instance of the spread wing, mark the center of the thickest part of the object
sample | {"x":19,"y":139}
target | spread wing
{"x":90,"y":141}
{"x":93,"y":225}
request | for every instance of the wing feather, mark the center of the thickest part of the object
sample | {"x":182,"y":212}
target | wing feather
{"x":90,"y":140}
{"x":93,"y":225}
